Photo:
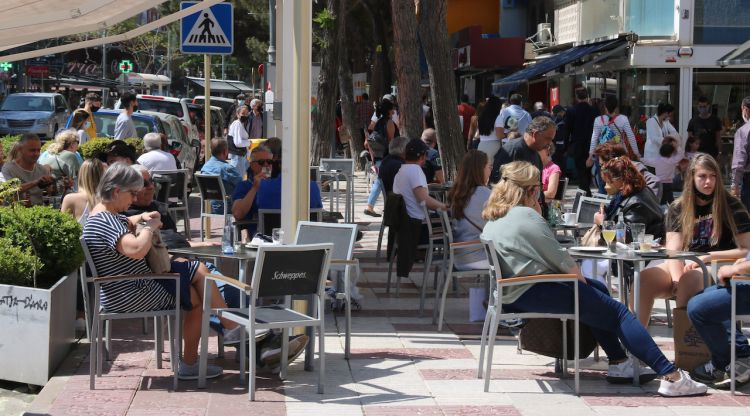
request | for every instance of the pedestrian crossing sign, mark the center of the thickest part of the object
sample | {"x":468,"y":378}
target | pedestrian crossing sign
{"x":209,"y":31}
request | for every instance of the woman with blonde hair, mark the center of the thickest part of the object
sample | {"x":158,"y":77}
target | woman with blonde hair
{"x":527,"y":246}
{"x":61,"y":155}
{"x":691,"y":226}
{"x":80,"y":203}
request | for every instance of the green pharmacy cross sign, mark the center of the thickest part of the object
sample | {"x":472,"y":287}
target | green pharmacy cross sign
{"x":126,"y":66}
{"x":6,"y":66}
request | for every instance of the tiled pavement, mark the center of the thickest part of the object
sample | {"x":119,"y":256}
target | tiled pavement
{"x":400,"y":365}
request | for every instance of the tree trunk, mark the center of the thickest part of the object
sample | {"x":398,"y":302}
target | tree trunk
{"x":324,"y":122}
{"x":382,"y":77}
{"x":346,"y":89}
{"x":405,"y":43}
{"x":433,"y":33}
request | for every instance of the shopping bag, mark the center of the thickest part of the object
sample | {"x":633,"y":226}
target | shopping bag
{"x":689,"y":349}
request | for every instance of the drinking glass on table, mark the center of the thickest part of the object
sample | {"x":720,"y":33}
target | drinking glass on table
{"x":277,"y":235}
{"x":646,"y":244}
{"x":637,"y":231}
{"x":608,"y":233}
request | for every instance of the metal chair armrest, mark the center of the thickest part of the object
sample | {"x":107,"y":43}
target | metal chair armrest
{"x":741,"y":278}
{"x":110,"y":279}
{"x":230,"y":281}
{"x":539,"y":278}
{"x":345,"y":262}
{"x":724,"y":261}
{"x":463,"y":245}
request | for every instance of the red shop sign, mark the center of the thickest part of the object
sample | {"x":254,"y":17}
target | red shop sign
{"x":37,"y":71}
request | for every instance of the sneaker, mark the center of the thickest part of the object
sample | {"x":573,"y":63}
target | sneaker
{"x":190,"y":371}
{"x":270,"y":356}
{"x":708,"y":374}
{"x":372,"y":213}
{"x":741,"y":374}
{"x":232,"y":336}
{"x":685,"y":386}
{"x":623,"y":373}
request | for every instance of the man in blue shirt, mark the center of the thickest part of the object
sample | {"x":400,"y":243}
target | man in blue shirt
{"x":218,"y":165}
{"x":244,"y":207}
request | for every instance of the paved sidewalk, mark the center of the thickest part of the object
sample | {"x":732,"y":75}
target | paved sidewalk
{"x":400,"y":365}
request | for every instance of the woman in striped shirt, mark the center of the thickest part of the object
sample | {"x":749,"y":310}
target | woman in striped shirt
{"x":116,"y":250}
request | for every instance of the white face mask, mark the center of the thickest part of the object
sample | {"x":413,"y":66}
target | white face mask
{"x":87,"y":125}
{"x":744,"y":117}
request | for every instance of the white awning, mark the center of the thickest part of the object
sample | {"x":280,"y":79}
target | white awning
{"x":25,"y":21}
{"x":136,"y":78}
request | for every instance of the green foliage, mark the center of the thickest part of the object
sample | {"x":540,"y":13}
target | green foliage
{"x":7,"y":142}
{"x":94,"y":148}
{"x":46,"y":145}
{"x":137,"y":144}
{"x":326,"y":20}
{"x":9,"y":191}
{"x":54,"y":236}
{"x":17,"y":264}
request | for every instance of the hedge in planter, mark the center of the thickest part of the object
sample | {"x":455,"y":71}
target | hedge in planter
{"x":137,"y":144}
{"x":54,"y":235}
{"x":17,"y":264}
{"x":94,"y":148}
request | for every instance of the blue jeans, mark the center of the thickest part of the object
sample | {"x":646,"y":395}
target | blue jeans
{"x":376,"y":187}
{"x":710,"y":312}
{"x":598,"y":180}
{"x":240,"y":163}
{"x":610,"y":321}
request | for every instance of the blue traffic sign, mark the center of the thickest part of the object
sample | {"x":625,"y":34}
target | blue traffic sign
{"x":210,"y":31}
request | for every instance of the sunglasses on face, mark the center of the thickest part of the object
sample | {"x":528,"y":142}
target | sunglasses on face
{"x":264,"y":162}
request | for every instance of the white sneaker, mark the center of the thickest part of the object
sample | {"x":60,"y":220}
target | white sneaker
{"x":623,"y":373}
{"x":232,"y":337}
{"x":190,"y":371}
{"x":685,"y":386}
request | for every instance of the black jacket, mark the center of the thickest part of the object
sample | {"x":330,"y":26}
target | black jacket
{"x":642,"y":207}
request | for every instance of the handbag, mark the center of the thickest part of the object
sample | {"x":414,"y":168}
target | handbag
{"x":544,"y":336}
{"x":157,"y":257}
{"x":592,"y":236}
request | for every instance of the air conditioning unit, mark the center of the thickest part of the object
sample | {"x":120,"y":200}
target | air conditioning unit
{"x":543,"y":36}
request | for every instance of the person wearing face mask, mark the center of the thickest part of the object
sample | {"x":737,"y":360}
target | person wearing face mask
{"x":81,"y":124}
{"x":740,"y":161}
{"x":92,"y":104}
{"x":705,"y":219}
{"x":707,"y":128}
{"x":238,"y":140}
{"x":527,"y":246}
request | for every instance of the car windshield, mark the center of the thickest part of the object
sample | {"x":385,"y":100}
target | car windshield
{"x":225,"y":105}
{"x":160,"y":106}
{"x":27,"y":103}
{"x":105,"y":125}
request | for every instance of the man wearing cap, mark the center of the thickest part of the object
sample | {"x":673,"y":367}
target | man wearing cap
{"x":254,"y":124}
{"x":411,"y":184}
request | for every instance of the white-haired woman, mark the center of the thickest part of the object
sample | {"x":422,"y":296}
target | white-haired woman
{"x":116,"y":250}
{"x":526,"y":246}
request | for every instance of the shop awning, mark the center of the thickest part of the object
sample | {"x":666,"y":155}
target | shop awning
{"x":739,"y":56}
{"x":217,"y":85}
{"x":240,"y":86}
{"x":137,"y":78}
{"x":553,"y":62}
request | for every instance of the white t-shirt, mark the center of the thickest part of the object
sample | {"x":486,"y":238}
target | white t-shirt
{"x":239,"y":134}
{"x":394,"y":117}
{"x":157,"y":160}
{"x":409,"y":177}
{"x":522,"y":116}
{"x":655,"y":133}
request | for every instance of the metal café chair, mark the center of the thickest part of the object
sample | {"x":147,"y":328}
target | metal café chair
{"x":211,"y":188}
{"x":495,"y":313}
{"x":178,"y":195}
{"x":737,"y":279}
{"x":268,"y":219}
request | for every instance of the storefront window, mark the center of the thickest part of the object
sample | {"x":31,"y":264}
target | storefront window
{"x":722,"y":22}
{"x":725,"y":91}
{"x":643,"y":89}
{"x":650,"y":18}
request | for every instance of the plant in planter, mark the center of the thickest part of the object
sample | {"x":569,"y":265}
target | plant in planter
{"x":137,"y":144}
{"x":94,"y":148}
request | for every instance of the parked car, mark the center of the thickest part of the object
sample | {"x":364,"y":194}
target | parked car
{"x":226,"y":104}
{"x":38,"y":113}
{"x":168,"y":105}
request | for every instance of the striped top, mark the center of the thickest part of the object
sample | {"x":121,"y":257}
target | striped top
{"x":102,"y":232}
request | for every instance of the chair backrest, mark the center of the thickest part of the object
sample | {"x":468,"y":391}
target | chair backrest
{"x":178,"y":178}
{"x":337,"y":165}
{"x":577,"y":199}
{"x":435,"y":229}
{"x":210,"y":187}
{"x":562,"y":186}
{"x":343,"y":237}
{"x":87,"y":256}
{"x":494,"y":266}
{"x":587,"y":207}
{"x":315,"y":174}
{"x":164,"y":183}
{"x":447,"y":226}
{"x":291,"y":270}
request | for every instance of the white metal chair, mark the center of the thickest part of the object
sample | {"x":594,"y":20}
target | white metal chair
{"x":211,"y":188}
{"x":450,"y":272}
{"x":280,"y":271}
{"x":587,"y":207}
{"x":268,"y":219}
{"x":737,"y":279}
{"x":495,"y":313}
{"x":343,"y":237}
{"x":179,"y":192}
{"x":336,"y":168}
{"x":101,"y":317}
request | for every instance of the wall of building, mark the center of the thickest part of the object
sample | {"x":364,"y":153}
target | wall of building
{"x":463,"y":13}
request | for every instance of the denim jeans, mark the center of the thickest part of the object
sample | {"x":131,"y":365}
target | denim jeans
{"x":610,"y":321}
{"x":240,"y":163}
{"x":598,"y":180}
{"x":710,"y":312}
{"x":376,"y":188}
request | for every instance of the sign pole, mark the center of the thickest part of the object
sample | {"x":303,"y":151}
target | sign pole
{"x":207,"y":129}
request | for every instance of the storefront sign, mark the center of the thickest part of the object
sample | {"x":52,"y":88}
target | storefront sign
{"x":37,"y":71}
{"x":554,"y":96}
{"x":76,"y":68}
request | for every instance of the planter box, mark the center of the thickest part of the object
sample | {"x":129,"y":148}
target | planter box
{"x":38,"y":328}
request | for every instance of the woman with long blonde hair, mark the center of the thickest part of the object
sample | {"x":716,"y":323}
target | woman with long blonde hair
{"x":80,"y":203}
{"x":527,"y":246}
{"x":691,"y":226}
{"x":61,"y":155}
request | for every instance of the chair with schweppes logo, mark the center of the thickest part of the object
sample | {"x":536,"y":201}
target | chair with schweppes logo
{"x":281,"y":272}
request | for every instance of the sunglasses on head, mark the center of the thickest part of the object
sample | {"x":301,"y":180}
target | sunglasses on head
{"x":264,"y":162}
